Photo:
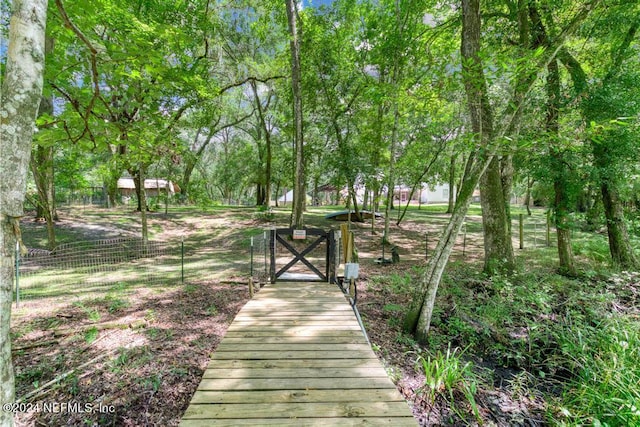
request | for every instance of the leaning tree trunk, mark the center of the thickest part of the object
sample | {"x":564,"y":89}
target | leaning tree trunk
{"x":452,"y":183}
{"x":297,"y":218}
{"x":19,"y":100}
{"x":418,"y":319}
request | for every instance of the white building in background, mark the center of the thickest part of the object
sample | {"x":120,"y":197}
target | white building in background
{"x":152,"y":186}
{"x":288,"y":198}
{"x":426,"y":194}
{"x":433,"y":194}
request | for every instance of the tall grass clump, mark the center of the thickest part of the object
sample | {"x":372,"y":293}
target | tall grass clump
{"x":447,"y":374}
{"x":605,"y":362}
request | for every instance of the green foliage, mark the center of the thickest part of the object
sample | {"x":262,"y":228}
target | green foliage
{"x":594,"y":250}
{"x":91,"y":334}
{"x":153,"y":333}
{"x":115,"y":304}
{"x":447,"y":374}
{"x":605,"y":362}
{"x":92,"y":313}
{"x":555,"y":333}
{"x":401,"y":283}
{"x":212,"y":310}
{"x":264,"y":214}
{"x":151,"y":382}
{"x":121,"y":361}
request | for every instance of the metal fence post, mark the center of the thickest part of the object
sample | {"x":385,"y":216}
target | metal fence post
{"x":182,"y":259}
{"x":251,"y":271}
{"x":521,"y":229}
{"x":464,"y":241}
{"x":426,"y":245}
{"x":17,"y":273}
{"x":251,"y":264}
{"x":548,"y":235}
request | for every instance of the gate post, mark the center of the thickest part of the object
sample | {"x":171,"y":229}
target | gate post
{"x":331,"y":258}
{"x":272,"y":250}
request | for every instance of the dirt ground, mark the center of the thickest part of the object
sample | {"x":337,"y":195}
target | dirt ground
{"x":136,"y":360}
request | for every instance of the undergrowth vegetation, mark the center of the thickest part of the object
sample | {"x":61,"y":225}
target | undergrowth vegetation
{"x":573,"y":342}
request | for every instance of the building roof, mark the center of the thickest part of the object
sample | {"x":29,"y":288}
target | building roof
{"x":149,"y":184}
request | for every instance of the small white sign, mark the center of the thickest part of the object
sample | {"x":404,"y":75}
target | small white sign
{"x":299,"y":234}
{"x":351,"y":270}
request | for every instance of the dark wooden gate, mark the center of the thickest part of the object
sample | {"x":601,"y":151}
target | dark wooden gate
{"x":313,"y":237}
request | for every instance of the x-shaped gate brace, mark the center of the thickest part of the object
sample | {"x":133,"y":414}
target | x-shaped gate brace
{"x":276,"y":236}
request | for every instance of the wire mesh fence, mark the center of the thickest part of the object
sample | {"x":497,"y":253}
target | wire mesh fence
{"x":259,"y":257}
{"x":526,"y":233}
{"x":80,"y":268}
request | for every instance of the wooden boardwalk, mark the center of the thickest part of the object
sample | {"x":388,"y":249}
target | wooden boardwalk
{"x":295,"y":355}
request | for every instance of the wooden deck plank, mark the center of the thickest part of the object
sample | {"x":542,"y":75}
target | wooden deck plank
{"x":340,"y":384}
{"x":302,"y":422}
{"x":331,"y":339}
{"x":301,"y":410}
{"x":327,"y":324}
{"x":292,"y":329}
{"x":299,"y":332}
{"x":295,"y":363}
{"x":293,"y":312}
{"x":300,"y":396}
{"x":248,"y":346}
{"x":333,"y":372}
{"x":296,"y":355}
{"x":285,"y":355}
{"x":296,"y":316}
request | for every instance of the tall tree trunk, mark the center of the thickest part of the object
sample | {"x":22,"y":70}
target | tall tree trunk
{"x":593,"y":112}
{"x":391,"y":179}
{"x":19,"y":100}
{"x":42,"y":168}
{"x":142,"y":201}
{"x":527,"y":194}
{"x":452,"y":183}
{"x":138,"y":182}
{"x":297,"y":214}
{"x":266,"y":199}
{"x":498,"y":249}
{"x":622,"y":252}
{"x":506,"y":177}
{"x":560,"y":173}
{"x":418,"y":318}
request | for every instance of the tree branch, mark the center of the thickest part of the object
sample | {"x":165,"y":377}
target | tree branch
{"x":249,"y":79}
